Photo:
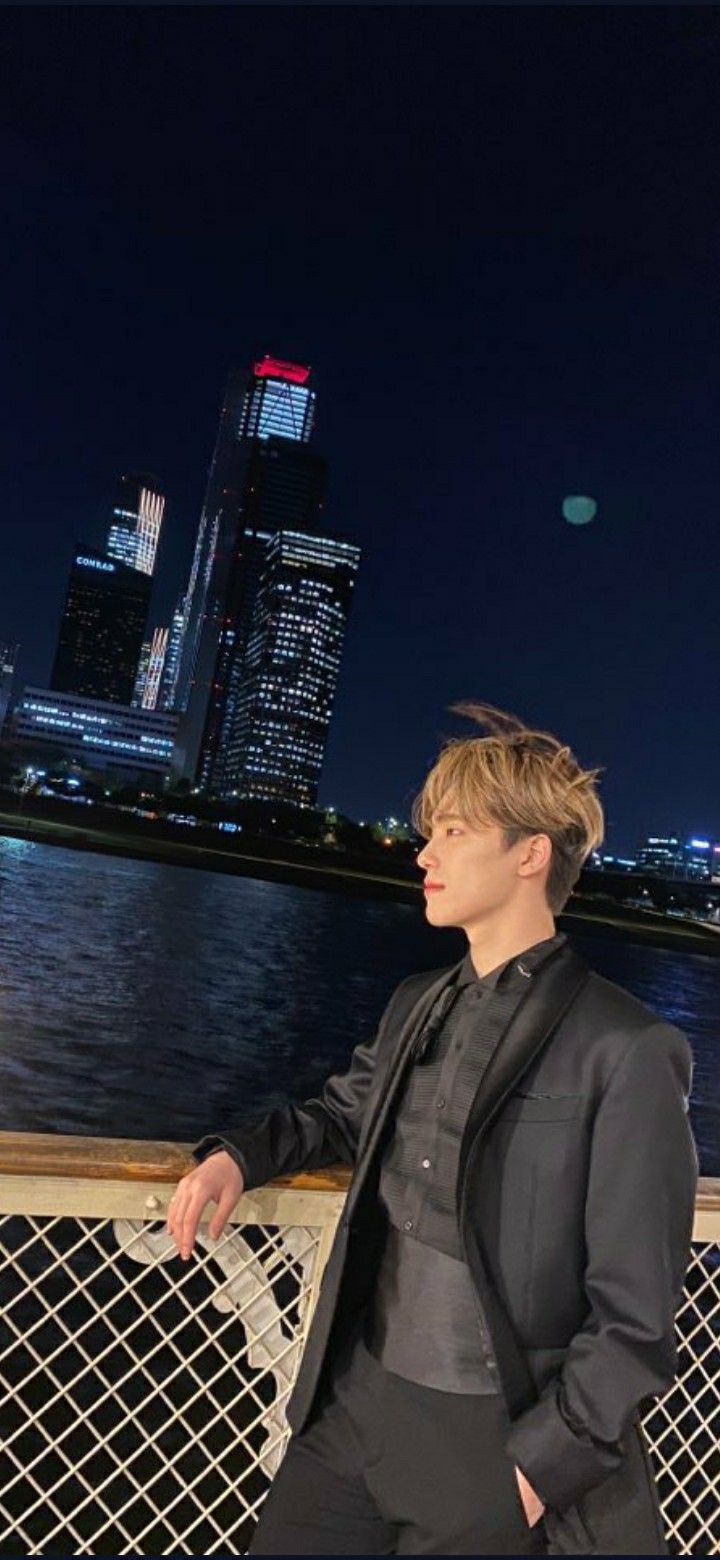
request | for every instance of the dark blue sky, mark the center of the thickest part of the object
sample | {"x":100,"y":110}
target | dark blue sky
{"x":494,"y":234}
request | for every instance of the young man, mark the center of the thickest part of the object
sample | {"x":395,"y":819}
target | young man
{"x":500,"y":1298}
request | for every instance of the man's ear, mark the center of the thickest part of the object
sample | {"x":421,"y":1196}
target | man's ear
{"x":536,"y":855}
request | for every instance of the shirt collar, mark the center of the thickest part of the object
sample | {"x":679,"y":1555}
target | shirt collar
{"x":515,"y":971}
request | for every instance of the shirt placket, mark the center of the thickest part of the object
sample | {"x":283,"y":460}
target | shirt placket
{"x":451,"y":1043}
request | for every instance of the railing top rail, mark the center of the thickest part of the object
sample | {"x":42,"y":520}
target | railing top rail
{"x":707,"y":1199}
{"x":126,"y":1159}
{"x":132,"y":1159}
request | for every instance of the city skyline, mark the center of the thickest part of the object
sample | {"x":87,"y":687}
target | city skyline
{"x":256,"y":637}
{"x":85,"y":556}
{"x":497,"y":316}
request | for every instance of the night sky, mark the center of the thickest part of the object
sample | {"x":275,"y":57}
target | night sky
{"x":494,"y":233}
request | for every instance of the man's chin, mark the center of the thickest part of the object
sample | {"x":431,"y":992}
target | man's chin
{"x":436,"y":912}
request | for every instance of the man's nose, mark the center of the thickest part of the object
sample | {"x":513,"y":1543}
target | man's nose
{"x":424,"y":856}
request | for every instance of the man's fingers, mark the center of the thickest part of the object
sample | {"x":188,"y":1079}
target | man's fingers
{"x":184,"y":1212}
{"x":191,"y":1218}
{"x":187,"y":1206}
{"x":172,"y":1215}
{"x":176,"y":1210}
{"x":221,"y":1215}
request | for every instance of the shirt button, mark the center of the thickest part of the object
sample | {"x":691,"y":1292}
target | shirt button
{"x":408,"y":1224}
{"x":426,"y":1164}
{"x":440,"y":1103}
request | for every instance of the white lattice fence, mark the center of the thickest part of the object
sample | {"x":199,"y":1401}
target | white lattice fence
{"x":683,"y":1427}
{"x":142,"y":1398}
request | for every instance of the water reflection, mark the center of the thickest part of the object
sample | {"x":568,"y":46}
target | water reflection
{"x":144,"y":1000}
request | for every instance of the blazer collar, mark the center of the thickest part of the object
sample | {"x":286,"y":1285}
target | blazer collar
{"x":515,"y":971}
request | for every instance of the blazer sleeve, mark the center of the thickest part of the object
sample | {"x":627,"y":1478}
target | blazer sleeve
{"x":320,"y":1131}
{"x":638,"y":1229}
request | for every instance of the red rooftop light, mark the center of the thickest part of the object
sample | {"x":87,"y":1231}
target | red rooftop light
{"x":272,"y":368}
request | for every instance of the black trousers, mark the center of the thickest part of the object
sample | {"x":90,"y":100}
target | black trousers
{"x":392,"y":1468}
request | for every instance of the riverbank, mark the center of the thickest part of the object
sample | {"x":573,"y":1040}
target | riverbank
{"x":288,"y":862}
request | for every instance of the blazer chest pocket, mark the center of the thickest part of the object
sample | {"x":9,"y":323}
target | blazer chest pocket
{"x":541,"y":1107}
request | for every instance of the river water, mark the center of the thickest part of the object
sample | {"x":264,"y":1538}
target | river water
{"x":150,"y":1001}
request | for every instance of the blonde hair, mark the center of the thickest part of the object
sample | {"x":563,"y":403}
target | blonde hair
{"x":527,"y":782}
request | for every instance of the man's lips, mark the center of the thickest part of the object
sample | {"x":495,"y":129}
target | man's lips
{"x":432,"y":888}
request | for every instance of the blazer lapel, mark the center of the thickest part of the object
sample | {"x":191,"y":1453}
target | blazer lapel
{"x":548,"y":998}
{"x":537,"y":1016}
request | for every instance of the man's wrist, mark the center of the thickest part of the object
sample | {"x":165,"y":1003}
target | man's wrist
{"x":218,"y":1145}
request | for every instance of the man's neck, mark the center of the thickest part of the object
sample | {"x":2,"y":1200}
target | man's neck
{"x":494,"y":945}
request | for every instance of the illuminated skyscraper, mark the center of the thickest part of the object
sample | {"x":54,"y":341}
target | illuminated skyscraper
{"x":273,"y":737}
{"x":156,"y":662}
{"x":278,"y":400}
{"x":8,"y":662}
{"x":263,"y":478}
{"x":141,"y":674}
{"x":102,"y":628}
{"x":146,"y":694}
{"x":137,"y":520}
{"x":171,"y":666}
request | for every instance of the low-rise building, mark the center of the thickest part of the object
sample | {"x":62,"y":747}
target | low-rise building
{"x":126,"y":743}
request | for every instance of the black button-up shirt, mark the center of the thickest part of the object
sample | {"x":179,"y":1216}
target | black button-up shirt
{"x":426,"y":1323}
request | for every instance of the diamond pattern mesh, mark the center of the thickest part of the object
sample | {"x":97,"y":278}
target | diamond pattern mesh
{"x":142,"y":1398}
{"x":682,"y":1428}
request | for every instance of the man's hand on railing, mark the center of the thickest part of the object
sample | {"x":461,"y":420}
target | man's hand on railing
{"x":218,"y":1179}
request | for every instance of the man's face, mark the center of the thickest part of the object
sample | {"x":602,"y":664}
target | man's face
{"x":470,"y":873}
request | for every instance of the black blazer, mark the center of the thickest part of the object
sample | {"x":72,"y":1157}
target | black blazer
{"x":575,"y":1196}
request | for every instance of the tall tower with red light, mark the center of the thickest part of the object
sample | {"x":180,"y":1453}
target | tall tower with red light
{"x":263,"y":478}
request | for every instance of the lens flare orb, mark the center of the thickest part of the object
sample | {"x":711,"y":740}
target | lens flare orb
{"x":579,"y":510}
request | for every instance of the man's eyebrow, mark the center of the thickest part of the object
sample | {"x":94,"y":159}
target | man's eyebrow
{"x":441,"y":817}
